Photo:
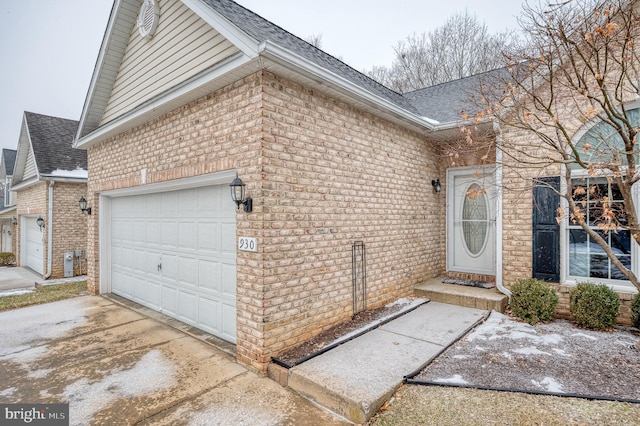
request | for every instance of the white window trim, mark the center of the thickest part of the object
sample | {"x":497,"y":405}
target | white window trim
{"x":565,"y":278}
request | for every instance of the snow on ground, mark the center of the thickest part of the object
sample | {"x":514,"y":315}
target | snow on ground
{"x":16,"y":291}
{"x":455,"y":380}
{"x":499,"y":326}
{"x":152,"y":373}
{"x":8,"y":392}
{"x":549,"y":384}
{"x":20,"y":329}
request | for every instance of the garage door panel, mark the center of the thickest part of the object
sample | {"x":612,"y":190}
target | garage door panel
{"x":187,"y":236}
{"x":208,"y":237}
{"x":154,"y":233}
{"x":34,"y":244}
{"x":187,"y":270}
{"x":191,"y":233}
{"x":229,"y":320}
{"x":228,"y":279}
{"x":209,"y":275}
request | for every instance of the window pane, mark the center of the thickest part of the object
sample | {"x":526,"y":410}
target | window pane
{"x":599,"y":267}
{"x":615,"y":272}
{"x":620,"y":242}
{"x":578,"y":253}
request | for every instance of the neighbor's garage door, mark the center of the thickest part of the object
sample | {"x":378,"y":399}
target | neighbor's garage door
{"x":175,"y":252}
{"x":33,"y":246}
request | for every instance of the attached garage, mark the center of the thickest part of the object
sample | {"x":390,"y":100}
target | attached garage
{"x":174,"y":251}
{"x":32,"y":243}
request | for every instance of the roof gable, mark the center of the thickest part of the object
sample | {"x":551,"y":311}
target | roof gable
{"x":45,"y":148}
{"x":259,"y":44}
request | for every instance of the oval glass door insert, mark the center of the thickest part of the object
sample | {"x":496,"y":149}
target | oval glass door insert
{"x":475,"y":219}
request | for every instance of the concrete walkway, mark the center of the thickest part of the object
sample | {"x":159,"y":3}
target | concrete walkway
{"x":12,"y":277}
{"x":356,"y":378}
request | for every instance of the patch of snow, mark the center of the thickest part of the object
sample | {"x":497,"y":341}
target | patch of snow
{"x":8,"y":392}
{"x":16,"y":292}
{"x":39,"y":374}
{"x":499,"y":326}
{"x":507,"y":355}
{"x":586,"y":336}
{"x":530,"y":351}
{"x":25,"y":356}
{"x":561,"y":352}
{"x":152,"y":373}
{"x":77,"y":173}
{"x":480,"y":348}
{"x":455,"y":380}
{"x":411,"y":301}
{"x":461,"y":356}
{"x":21,"y":329}
{"x":549,"y":384}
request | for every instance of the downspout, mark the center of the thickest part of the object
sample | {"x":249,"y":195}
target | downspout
{"x":499,"y":283}
{"x":50,"y":231}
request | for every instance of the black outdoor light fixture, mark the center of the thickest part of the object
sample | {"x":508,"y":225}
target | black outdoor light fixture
{"x":437,"y":187}
{"x":82,"y":203}
{"x":14,"y":221}
{"x":40,"y":222}
{"x":237,"y":194}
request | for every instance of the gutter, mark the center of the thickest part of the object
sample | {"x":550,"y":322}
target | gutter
{"x":49,"y":231}
{"x":499,"y":283}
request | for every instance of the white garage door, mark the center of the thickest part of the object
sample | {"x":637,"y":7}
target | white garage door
{"x":175,"y":252}
{"x":33,"y":244}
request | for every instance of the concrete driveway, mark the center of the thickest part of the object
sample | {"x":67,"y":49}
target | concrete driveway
{"x":116,"y":366}
{"x":13,"y":277}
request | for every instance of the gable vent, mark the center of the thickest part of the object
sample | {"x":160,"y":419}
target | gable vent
{"x":148,"y":18}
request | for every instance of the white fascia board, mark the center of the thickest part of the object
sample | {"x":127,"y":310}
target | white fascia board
{"x":247,"y":44}
{"x":5,"y":213}
{"x":100,"y":63}
{"x":161,"y":104}
{"x":26,"y":184}
{"x":287,"y":58}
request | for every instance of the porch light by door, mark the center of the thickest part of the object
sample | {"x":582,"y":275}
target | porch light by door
{"x":237,"y":195}
{"x":82,"y":203}
{"x":437,"y":187}
{"x":40,"y":222}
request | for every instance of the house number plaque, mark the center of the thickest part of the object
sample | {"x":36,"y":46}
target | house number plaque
{"x":247,"y":244}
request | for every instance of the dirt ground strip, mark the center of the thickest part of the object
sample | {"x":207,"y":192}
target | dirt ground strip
{"x":556,"y":357}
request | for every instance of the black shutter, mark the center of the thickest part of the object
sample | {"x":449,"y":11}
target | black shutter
{"x":546,"y":230}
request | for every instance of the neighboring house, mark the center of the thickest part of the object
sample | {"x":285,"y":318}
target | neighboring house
{"x":8,"y":219}
{"x":50,"y":176}
{"x":342,"y":171}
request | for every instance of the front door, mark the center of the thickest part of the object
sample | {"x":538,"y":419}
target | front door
{"x":471,"y":221}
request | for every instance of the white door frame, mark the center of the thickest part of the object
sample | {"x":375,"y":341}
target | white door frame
{"x":452,"y":173}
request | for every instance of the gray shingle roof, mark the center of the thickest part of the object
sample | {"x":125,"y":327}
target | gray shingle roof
{"x":51,"y":139}
{"x":263,"y":30}
{"x":9,"y":156}
{"x":448,"y":101}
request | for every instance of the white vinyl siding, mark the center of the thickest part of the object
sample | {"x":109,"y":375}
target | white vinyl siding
{"x":183,"y":46}
{"x":29,"y":167}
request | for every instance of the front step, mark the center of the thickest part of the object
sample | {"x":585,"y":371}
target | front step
{"x":460,"y":295}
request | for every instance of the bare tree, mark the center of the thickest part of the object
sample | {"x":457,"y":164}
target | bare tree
{"x":574,"y":104}
{"x":314,"y":40}
{"x":461,"y":47}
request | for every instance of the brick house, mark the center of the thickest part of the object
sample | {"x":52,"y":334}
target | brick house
{"x":343,"y":174}
{"x":8,"y":220}
{"x":49,"y":178}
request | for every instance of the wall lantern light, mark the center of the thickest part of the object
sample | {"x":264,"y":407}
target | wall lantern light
{"x":82,"y":203}
{"x":40,"y":222}
{"x":14,"y":221}
{"x":437,"y":187}
{"x":237,"y":194}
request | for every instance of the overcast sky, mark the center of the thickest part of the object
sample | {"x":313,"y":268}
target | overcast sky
{"x":48,"y":48}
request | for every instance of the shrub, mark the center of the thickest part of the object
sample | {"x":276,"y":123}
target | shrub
{"x":594,"y":306}
{"x":7,"y":258}
{"x":533,"y":300}
{"x":635,"y":310}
